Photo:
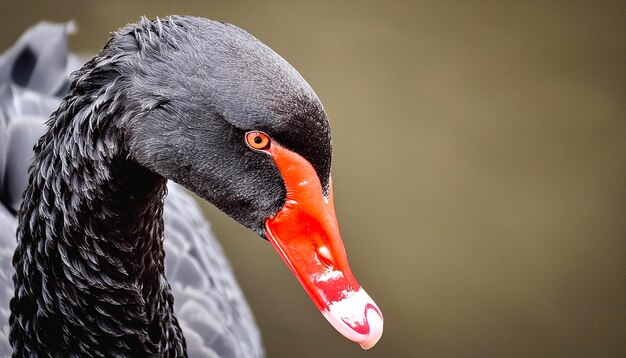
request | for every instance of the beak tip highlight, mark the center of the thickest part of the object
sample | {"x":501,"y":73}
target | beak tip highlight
{"x":357,"y":318}
{"x":375,"y":322}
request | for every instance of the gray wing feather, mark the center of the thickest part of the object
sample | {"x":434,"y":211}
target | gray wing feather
{"x":38,"y":61}
{"x":8,"y":224}
{"x":209,"y":304}
{"x":23,"y":134}
{"x":19,"y":136}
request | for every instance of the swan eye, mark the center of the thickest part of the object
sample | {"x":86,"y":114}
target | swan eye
{"x":258,"y":140}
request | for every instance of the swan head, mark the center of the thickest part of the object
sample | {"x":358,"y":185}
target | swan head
{"x":212,"y":108}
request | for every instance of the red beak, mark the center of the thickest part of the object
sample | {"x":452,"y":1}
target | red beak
{"x":306,"y":235}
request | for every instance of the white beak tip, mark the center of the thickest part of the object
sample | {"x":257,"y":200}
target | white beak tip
{"x":375,"y":322}
{"x":357,"y":318}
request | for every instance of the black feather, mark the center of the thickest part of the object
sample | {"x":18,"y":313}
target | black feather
{"x":163,"y":100}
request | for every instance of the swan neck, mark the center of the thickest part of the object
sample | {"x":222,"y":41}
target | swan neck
{"x":89,"y":262}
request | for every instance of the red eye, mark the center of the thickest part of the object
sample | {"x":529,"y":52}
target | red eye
{"x":258,"y":140}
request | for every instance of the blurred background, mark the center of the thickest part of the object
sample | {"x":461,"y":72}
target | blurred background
{"x":479,"y":168}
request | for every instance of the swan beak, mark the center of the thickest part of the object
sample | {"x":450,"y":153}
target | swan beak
{"x":305,"y":233}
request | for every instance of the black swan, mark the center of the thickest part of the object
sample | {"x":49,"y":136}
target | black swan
{"x":210,"y":308}
{"x":208,"y":106}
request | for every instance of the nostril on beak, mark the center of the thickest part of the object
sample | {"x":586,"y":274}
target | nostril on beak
{"x":323,"y":256}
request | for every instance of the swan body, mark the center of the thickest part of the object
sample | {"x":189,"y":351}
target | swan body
{"x":203,"y":104}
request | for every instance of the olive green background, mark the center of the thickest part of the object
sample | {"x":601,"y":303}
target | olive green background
{"x":479,"y":168}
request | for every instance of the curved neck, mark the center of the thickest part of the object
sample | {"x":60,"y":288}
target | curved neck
{"x":89,"y":262}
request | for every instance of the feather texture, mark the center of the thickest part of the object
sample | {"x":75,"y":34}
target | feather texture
{"x":210,"y":306}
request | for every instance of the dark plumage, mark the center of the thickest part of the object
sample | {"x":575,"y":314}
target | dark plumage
{"x":189,"y":100}
{"x":89,"y":263}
